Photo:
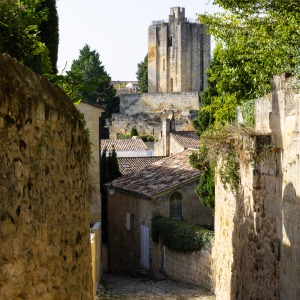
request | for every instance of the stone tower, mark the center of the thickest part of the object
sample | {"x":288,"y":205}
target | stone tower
{"x":178,"y":54}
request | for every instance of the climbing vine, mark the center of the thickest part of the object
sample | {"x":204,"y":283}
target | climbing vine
{"x":229,"y":145}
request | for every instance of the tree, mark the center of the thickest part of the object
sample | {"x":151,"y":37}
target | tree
{"x":206,"y":187}
{"x":19,"y":33}
{"x":142,"y":75}
{"x":256,"y":39}
{"x":109,"y":167}
{"x":133,"y":132}
{"x":97,"y":86}
{"x":109,"y":171}
{"x":49,"y":32}
{"x":113,"y":165}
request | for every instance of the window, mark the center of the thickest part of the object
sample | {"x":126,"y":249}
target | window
{"x":176,"y":206}
{"x":129,"y":221}
{"x":171,"y":84}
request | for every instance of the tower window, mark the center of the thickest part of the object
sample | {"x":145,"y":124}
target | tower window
{"x":170,"y":41}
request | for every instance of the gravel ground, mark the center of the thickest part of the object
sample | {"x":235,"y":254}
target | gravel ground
{"x":128,"y":288}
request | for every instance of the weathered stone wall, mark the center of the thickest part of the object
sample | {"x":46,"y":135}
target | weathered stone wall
{"x":192,"y":209}
{"x":195,"y":267}
{"x":257,"y":237}
{"x":145,"y":111}
{"x":44,"y":190}
{"x":181,"y":103}
{"x":92,"y":114}
{"x":178,"y":54}
{"x":147,"y":124}
{"x":124,"y":237}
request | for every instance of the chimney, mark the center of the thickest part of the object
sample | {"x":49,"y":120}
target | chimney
{"x":166,"y":129}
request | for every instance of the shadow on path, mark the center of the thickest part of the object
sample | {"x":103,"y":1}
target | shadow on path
{"x":129,"y":288}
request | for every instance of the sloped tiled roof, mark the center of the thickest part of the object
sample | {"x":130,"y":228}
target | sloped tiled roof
{"x":187,"y":139}
{"x":159,"y":176}
{"x":132,"y":164}
{"x":123,"y":145}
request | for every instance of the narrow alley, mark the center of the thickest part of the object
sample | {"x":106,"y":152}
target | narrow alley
{"x":129,"y":288}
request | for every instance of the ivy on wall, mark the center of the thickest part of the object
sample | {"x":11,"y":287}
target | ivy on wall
{"x":180,"y":235}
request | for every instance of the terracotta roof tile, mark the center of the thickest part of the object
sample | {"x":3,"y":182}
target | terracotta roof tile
{"x":123,"y":145}
{"x":187,"y":139}
{"x":132,"y":164}
{"x":158,"y":176}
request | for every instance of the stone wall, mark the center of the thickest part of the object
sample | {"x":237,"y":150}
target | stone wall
{"x":157,"y":103}
{"x":45,"y":248}
{"x":92,"y":114}
{"x":257,"y":231}
{"x":124,"y":242}
{"x":192,"y":209}
{"x":178,"y":54}
{"x":145,"y":112}
{"x":195,"y":267}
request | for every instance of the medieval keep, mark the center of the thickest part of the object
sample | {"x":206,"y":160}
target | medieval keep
{"x":178,"y":54}
{"x":178,"y":57}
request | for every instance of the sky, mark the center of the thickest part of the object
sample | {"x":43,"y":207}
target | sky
{"x":116,"y":29}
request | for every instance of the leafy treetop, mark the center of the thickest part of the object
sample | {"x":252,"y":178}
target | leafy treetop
{"x":142,"y":75}
{"x":20,"y":33}
{"x":96,"y":85}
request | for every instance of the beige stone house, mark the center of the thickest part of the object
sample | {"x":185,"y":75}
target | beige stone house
{"x":92,"y":113}
{"x":164,"y":188}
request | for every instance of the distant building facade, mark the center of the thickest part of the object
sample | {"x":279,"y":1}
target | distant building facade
{"x":178,"y":54}
{"x":178,"y":57}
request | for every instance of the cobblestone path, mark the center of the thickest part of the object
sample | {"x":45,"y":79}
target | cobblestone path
{"x":128,"y":288}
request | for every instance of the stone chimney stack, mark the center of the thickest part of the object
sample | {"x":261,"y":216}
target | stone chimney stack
{"x":166,"y":129}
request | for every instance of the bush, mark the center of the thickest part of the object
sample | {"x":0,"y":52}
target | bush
{"x":180,"y":235}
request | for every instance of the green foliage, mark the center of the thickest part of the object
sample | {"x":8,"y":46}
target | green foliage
{"x":109,"y":167}
{"x":255,"y":39}
{"x":147,"y":138}
{"x":225,"y":141}
{"x":113,"y":166}
{"x":230,"y":171}
{"x":142,"y":75}
{"x":247,"y":110}
{"x":19,"y":33}
{"x":206,"y":187}
{"x":180,"y":235}
{"x":96,"y":84}
{"x":49,"y":32}
{"x":133,"y":132}
{"x":71,"y":83}
{"x":122,"y":136}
